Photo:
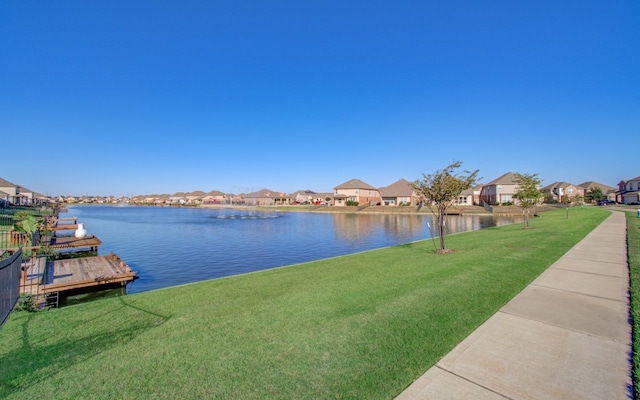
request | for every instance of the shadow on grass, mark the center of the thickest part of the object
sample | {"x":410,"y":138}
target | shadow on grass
{"x":419,"y":246}
{"x":33,"y":362}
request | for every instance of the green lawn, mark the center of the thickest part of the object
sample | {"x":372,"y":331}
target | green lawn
{"x":633,"y":243}
{"x":356,"y":327}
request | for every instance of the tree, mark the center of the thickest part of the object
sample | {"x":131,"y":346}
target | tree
{"x":594,"y":194}
{"x":527,"y":193}
{"x":440,"y":190}
{"x":567,"y":200}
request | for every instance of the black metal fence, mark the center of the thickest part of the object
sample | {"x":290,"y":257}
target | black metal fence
{"x":7,"y":221}
{"x":30,"y":210}
{"x":10,"y":271}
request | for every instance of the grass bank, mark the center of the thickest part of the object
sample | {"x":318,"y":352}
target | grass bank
{"x":633,"y":248}
{"x":353,"y":327}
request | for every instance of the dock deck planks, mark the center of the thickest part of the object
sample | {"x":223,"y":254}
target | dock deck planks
{"x":74,"y":273}
{"x":70,"y":223}
{"x":84,"y":272}
{"x":65,"y":242}
{"x":64,"y":227}
{"x":33,"y":271}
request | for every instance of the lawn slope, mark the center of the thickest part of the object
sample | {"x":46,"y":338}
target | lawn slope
{"x":353,"y":327}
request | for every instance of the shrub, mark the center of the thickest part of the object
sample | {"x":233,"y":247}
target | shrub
{"x":26,"y":302}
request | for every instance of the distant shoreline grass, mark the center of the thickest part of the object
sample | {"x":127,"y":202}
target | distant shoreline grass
{"x":353,"y":327}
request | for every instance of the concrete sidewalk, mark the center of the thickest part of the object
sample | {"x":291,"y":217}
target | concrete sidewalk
{"x":566,"y":336}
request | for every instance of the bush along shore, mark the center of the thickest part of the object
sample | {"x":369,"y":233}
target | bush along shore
{"x":358,"y":326}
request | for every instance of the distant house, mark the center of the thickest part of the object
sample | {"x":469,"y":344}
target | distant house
{"x":28,"y":197}
{"x":398,"y":193}
{"x":161,"y":199}
{"x":9,"y":192}
{"x":302,"y":196}
{"x":322,"y":198}
{"x":145,"y":199}
{"x":215,"y":197}
{"x":499,"y":190}
{"x":557,"y":190}
{"x":195,"y":198}
{"x":470,"y":197}
{"x":266,"y":197}
{"x":178,"y":198}
{"x":358,"y":191}
{"x":629,"y":191}
{"x":608,"y":191}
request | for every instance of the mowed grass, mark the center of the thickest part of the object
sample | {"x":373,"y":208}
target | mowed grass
{"x":633,"y":249}
{"x":353,"y":327}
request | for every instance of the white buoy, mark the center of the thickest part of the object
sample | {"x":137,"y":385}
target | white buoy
{"x":80,"y":232}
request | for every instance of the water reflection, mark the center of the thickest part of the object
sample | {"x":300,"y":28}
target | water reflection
{"x":402,"y":228}
{"x":358,"y":228}
{"x":455,"y":224}
{"x":171,"y":246}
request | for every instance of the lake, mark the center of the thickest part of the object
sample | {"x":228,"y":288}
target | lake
{"x":173,"y":246}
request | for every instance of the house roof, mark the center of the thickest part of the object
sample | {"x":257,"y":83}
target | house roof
{"x":559,"y":185}
{"x":400,"y":188}
{"x":354,"y":184}
{"x":506,"y":179}
{"x":5,"y":183}
{"x":215,"y":193}
{"x":306,"y":191}
{"x":265,"y":193}
{"x":591,"y":184}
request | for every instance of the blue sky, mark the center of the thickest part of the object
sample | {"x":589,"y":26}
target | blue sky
{"x":142,"y":97}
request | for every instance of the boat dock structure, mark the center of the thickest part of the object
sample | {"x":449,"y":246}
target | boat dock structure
{"x":50,"y":279}
{"x":62,"y":224}
{"x":66,"y":265}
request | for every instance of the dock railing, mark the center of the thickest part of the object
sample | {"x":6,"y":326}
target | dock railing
{"x":13,"y":239}
{"x":10,"y":273}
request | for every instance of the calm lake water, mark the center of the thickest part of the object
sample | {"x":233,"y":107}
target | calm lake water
{"x":173,"y":246}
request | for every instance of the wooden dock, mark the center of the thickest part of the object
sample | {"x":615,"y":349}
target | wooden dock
{"x":62,"y":224}
{"x":64,"y":227}
{"x":72,"y":242}
{"x":48,"y":280}
{"x":41,"y":277}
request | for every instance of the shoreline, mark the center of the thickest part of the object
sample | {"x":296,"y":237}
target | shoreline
{"x":393,"y":210}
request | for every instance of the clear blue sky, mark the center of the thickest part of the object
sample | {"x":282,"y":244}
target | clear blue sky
{"x":141,"y":97}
